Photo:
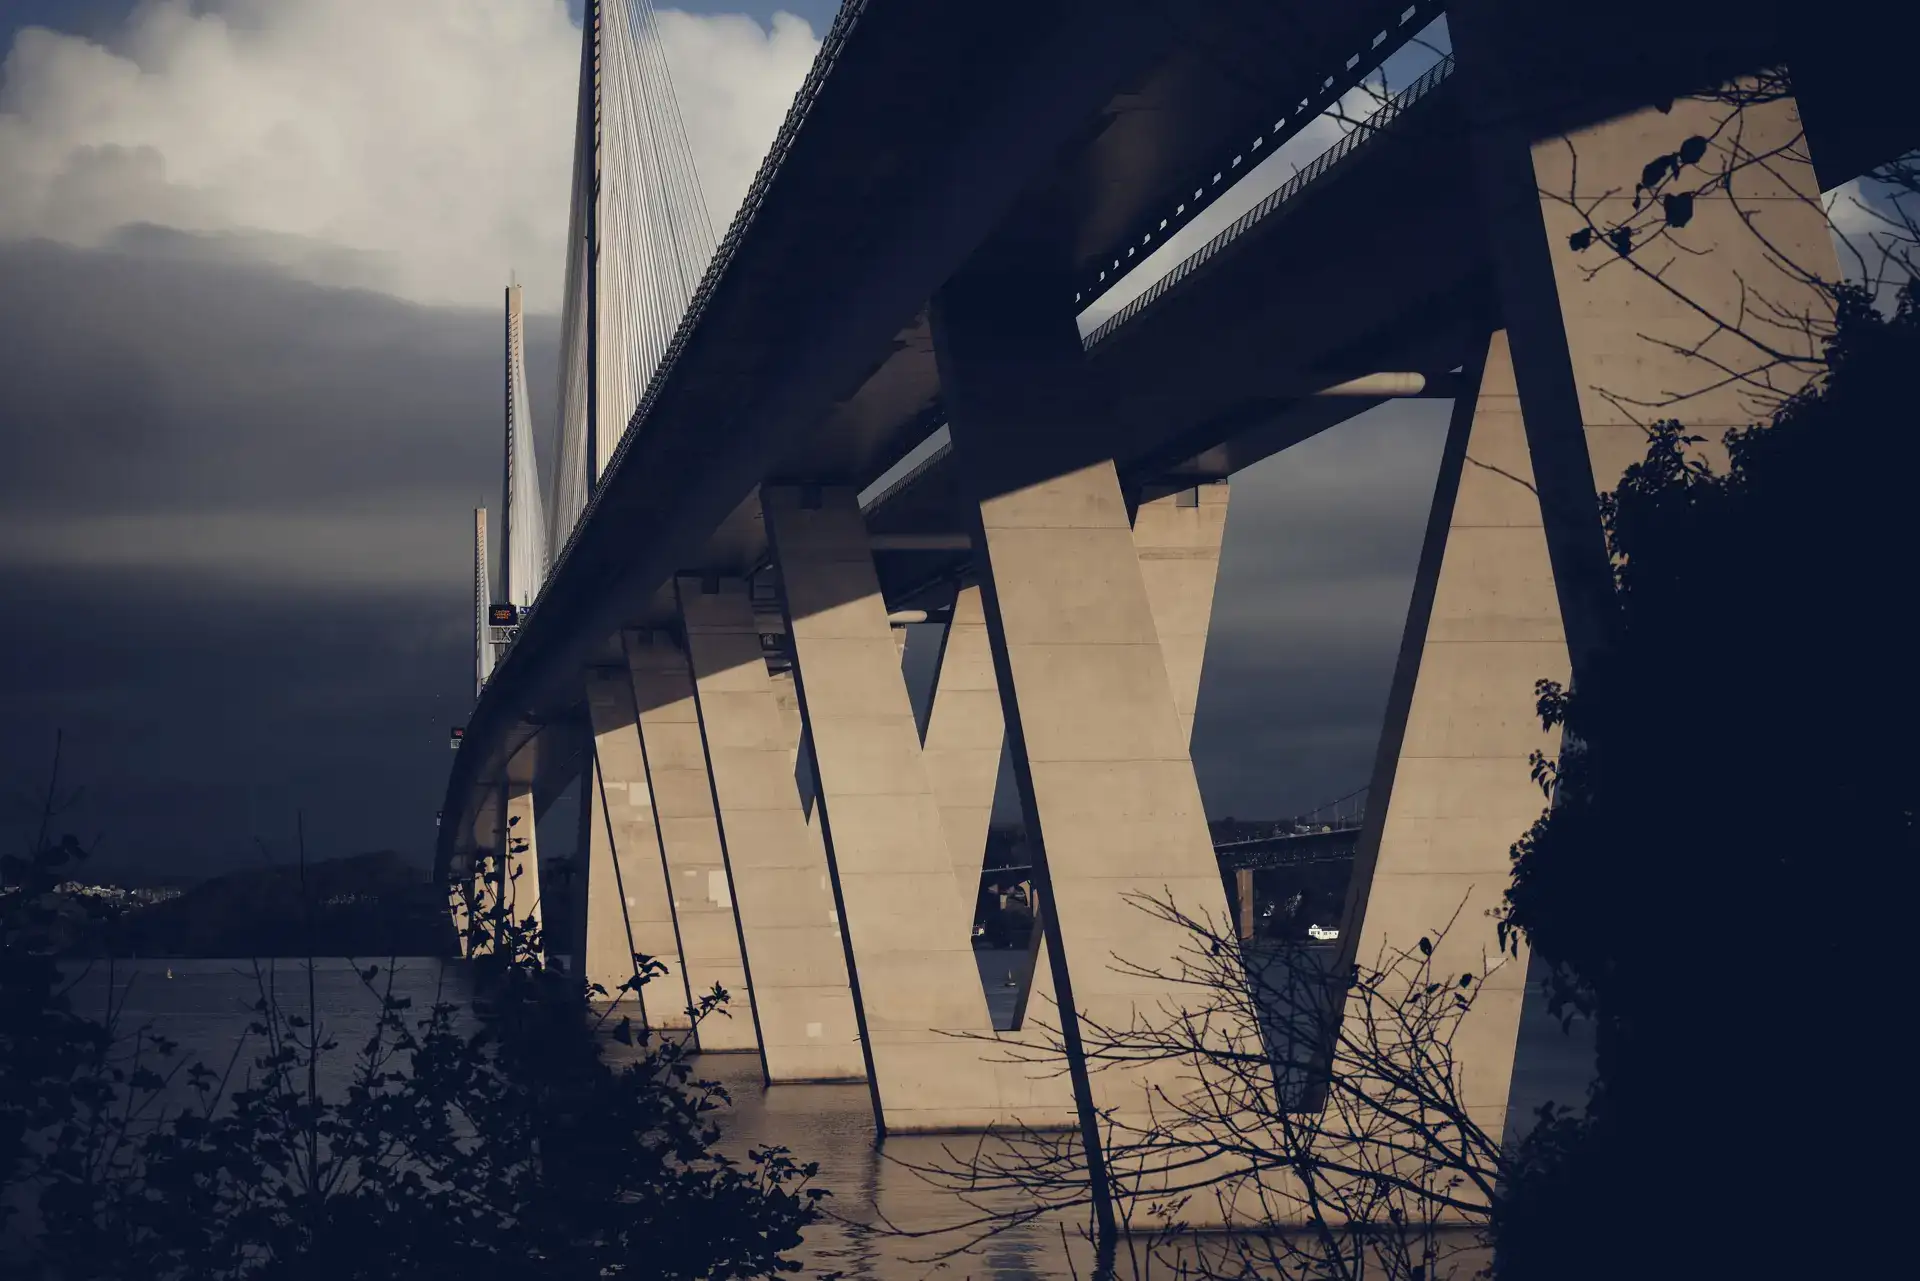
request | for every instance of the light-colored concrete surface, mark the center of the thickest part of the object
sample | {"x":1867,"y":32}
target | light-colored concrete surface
{"x":793,"y":726}
{"x":789,"y":925}
{"x":519,"y":871}
{"x":1452,"y":789}
{"x":696,"y":867}
{"x":1710,"y":323}
{"x":1099,"y":737}
{"x":1178,"y":533}
{"x":916,"y":981}
{"x":626,"y":907}
{"x":1113,"y":809}
{"x":1692,"y":326}
{"x":464,"y":899}
{"x":965,"y":734}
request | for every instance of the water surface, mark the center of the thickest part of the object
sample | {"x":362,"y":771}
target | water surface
{"x":206,"y":1006}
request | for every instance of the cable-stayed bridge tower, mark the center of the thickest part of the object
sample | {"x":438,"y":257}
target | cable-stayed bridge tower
{"x":523,"y":525}
{"x":638,"y":239}
{"x":483,"y":649}
{"x":523,"y":521}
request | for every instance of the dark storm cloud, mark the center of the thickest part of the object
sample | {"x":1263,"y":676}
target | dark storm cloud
{"x":1315,"y":577}
{"x":162,"y":381}
{"x":236,"y":559}
{"x":200,"y":716}
{"x":237,"y":545}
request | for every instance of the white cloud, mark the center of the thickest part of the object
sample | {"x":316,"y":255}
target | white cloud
{"x":422,"y":148}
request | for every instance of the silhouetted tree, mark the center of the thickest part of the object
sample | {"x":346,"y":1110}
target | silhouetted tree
{"x":1732,"y":804}
{"x":1323,"y":1111}
{"x":496,"y":1142}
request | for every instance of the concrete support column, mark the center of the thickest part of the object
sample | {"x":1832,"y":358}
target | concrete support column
{"x":789,"y":923}
{"x":626,"y":908}
{"x":1692,"y":324}
{"x":915,"y":980}
{"x":787,"y":700}
{"x":1098,"y":746}
{"x":1452,"y":789}
{"x":1178,"y":533}
{"x":696,"y":866}
{"x":519,"y":865}
{"x":793,"y":726}
{"x":461,"y":909}
{"x":1243,"y":903}
{"x":965,"y":735}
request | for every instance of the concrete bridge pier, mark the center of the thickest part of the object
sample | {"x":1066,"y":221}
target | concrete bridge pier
{"x":1692,"y":324}
{"x":924,"y":1022}
{"x":789,"y":923}
{"x":1099,"y":748}
{"x":689,"y":835}
{"x":465,"y":901}
{"x":1178,"y":532}
{"x":623,"y":906}
{"x":1451,"y":789}
{"x":516,"y":876}
{"x":1515,"y":583}
{"x":966,"y":734}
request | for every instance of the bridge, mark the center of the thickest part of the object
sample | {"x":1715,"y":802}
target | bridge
{"x":883,"y":401}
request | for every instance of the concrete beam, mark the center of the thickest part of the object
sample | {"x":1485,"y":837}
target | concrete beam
{"x":955,"y":542}
{"x":1098,"y":747}
{"x":789,"y":923}
{"x":966,"y":733}
{"x":1177,"y":533}
{"x":466,"y":898}
{"x":915,"y":981}
{"x":1690,"y":325}
{"x":696,"y":865}
{"x":1452,"y":787}
{"x":518,"y":874}
{"x":624,"y":906}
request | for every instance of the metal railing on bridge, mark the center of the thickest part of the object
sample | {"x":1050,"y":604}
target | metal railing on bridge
{"x":1327,"y":833}
{"x":1365,"y":131}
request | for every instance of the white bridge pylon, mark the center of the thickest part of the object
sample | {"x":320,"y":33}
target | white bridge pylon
{"x":638,"y":239}
{"x":523,"y":560}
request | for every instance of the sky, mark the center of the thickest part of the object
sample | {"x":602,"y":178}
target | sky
{"x":252,"y":252}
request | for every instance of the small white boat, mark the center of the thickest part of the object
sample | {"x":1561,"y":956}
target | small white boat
{"x":1323,"y":933}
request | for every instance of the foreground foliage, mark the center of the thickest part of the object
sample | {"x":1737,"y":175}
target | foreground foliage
{"x":1322,"y":1107}
{"x":472,"y":1144}
{"x":1738,"y":780}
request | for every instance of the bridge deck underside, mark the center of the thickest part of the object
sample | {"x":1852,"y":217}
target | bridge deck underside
{"x":927,"y":140}
{"x":777,"y":381}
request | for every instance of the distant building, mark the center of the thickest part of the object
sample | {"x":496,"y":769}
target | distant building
{"x":120,"y":896}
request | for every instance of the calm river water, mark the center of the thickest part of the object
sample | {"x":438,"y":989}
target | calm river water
{"x":205,"y":1006}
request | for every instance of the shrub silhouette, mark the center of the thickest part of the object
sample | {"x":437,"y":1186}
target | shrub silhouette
{"x":1739,"y":776}
{"x":500,"y":1142}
